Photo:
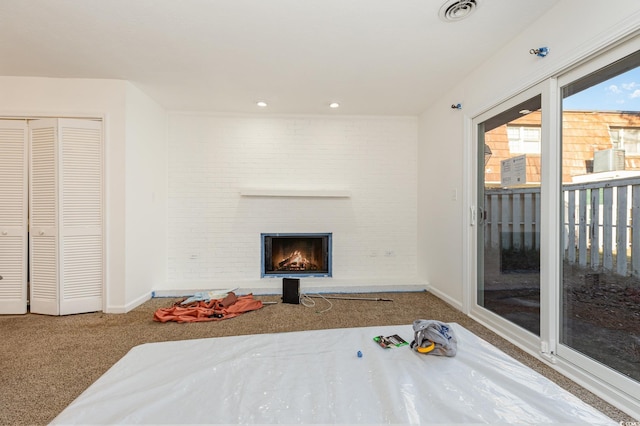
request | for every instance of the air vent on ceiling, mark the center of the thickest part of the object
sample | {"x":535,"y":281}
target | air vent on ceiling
{"x":457,"y":10}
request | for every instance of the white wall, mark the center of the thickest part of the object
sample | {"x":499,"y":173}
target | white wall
{"x":214,"y":232}
{"x":146,"y":196}
{"x":107,"y":99}
{"x":572,"y":30}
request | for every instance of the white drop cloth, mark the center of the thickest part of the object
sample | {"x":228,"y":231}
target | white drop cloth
{"x":317,"y":377}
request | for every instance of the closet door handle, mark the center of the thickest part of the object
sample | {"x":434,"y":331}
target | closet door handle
{"x":4,"y":232}
{"x":41,"y":233}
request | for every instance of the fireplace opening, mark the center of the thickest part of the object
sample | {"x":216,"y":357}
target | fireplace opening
{"x":287,"y":255}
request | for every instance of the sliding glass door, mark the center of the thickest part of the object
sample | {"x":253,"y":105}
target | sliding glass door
{"x":556,"y":215}
{"x":509,"y":163}
{"x":600,"y":281}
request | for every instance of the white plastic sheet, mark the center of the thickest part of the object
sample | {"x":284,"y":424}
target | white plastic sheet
{"x":317,"y":377}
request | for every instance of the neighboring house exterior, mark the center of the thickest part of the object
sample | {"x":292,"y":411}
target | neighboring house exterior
{"x":584,"y":133}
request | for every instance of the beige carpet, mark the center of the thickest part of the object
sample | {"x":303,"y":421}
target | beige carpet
{"x":46,"y":362}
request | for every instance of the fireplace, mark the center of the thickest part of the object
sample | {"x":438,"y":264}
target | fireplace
{"x":296,"y":255}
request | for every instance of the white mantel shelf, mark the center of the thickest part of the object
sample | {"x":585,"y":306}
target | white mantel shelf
{"x":308,"y":193}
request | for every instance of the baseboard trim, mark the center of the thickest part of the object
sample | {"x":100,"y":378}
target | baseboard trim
{"x":318,"y":290}
{"x":445,"y":297}
{"x":123,"y":309}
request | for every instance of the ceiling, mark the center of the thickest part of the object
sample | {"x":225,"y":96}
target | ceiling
{"x":372,"y":56}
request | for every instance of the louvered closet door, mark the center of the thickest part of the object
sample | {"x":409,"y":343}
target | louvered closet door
{"x":43,"y":223}
{"x":67,"y":195}
{"x":13,"y":216}
{"x":81,"y":248}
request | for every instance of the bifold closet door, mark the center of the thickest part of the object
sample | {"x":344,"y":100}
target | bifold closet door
{"x":66,"y":216}
{"x":13,"y":216}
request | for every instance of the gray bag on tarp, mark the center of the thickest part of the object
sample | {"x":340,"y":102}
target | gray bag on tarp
{"x":441,"y":334}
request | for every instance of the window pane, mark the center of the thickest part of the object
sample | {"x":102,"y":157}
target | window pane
{"x":531,"y":134}
{"x":509,"y":230}
{"x":523,"y":139}
{"x":600,"y":283}
{"x":513,"y":132}
{"x":631,"y":137}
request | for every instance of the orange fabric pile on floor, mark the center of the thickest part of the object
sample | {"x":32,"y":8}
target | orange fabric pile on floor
{"x":212,"y":310}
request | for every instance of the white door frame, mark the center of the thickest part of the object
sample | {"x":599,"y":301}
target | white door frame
{"x":605,"y":382}
{"x":528,"y":341}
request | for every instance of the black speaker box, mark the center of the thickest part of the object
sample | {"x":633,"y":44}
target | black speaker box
{"x":291,"y":290}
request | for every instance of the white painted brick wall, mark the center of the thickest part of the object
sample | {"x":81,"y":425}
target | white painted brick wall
{"x":214,"y":233}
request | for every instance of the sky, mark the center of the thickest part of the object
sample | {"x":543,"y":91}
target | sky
{"x":621,"y":93}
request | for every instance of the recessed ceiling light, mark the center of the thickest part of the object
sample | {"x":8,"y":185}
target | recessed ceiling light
{"x":525,"y":111}
{"x":334,"y":105}
{"x":261,"y":104}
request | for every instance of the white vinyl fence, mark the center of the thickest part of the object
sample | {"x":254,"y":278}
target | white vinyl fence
{"x":512,"y":218}
{"x":596,"y":214}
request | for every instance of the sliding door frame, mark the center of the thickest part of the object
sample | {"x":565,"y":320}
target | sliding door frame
{"x":613,"y":385}
{"x":523,"y":338}
{"x":603,"y":381}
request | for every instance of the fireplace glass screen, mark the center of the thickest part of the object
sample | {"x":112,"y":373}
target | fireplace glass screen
{"x":286,"y":255}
